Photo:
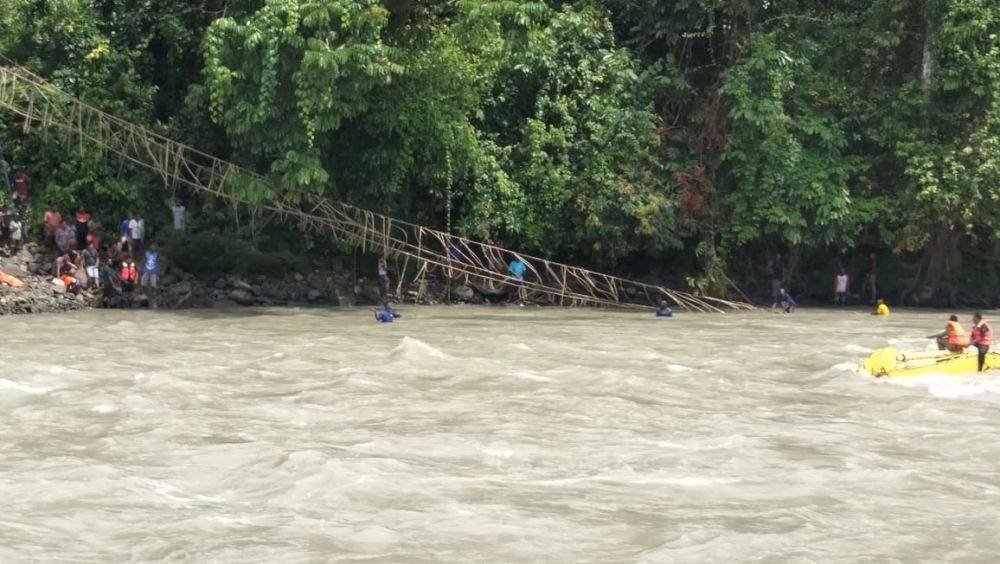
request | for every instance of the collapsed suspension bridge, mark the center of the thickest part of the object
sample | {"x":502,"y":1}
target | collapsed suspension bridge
{"x":42,"y":104}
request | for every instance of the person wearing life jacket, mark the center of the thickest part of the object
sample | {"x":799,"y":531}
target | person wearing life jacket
{"x":881,"y":308}
{"x":982,"y":337}
{"x":129,"y":277}
{"x":953,"y":338}
{"x":71,"y":283}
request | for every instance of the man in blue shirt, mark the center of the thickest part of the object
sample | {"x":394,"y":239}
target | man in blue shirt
{"x":516,"y":269}
{"x":664,"y":310}
{"x":387,"y":315}
{"x":785,"y":302}
{"x":151,"y":274}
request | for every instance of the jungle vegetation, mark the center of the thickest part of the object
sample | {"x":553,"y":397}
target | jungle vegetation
{"x":690,"y":140}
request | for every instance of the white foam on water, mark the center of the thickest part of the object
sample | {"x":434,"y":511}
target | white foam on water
{"x":10,"y":385}
{"x":522,"y":375}
{"x":411,"y":349}
{"x":678,"y":368}
{"x":104,"y":409}
{"x":950,"y":386}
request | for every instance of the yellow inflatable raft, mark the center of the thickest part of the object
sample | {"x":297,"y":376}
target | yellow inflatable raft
{"x":892,"y":363}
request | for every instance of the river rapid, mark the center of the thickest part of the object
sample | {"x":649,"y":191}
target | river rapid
{"x":488,"y":434}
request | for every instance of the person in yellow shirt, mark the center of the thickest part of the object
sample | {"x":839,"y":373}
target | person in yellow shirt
{"x":881,"y":308}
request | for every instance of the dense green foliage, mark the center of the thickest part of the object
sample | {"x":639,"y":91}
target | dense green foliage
{"x":692,"y":138}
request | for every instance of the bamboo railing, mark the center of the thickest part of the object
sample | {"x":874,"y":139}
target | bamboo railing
{"x":41,"y":104}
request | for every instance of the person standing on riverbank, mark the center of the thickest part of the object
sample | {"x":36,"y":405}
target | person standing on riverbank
{"x":91,"y":265}
{"x":516,"y":270}
{"x":64,"y":238}
{"x":129,"y":277}
{"x":53,"y":220}
{"x":82,"y":228}
{"x":871,"y":280}
{"x":107,"y":281}
{"x":841,"y":283}
{"x":383,"y":279}
{"x":152,"y":271}
{"x":982,"y":337}
{"x":16,"y":230}
{"x":777,"y":276}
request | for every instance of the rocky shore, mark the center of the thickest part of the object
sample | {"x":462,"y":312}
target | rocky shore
{"x":324,"y":285}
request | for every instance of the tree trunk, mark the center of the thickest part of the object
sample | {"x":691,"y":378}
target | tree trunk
{"x":928,"y":63}
{"x":938,"y":263}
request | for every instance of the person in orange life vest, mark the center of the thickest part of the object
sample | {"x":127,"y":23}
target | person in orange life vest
{"x":129,"y":277}
{"x":71,"y":283}
{"x":953,"y":338}
{"x":982,"y":337}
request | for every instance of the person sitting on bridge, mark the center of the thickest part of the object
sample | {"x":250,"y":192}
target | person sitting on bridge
{"x":664,"y":310}
{"x":953,"y":338}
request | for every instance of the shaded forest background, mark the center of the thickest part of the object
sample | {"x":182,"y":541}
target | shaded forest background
{"x":681,"y":140}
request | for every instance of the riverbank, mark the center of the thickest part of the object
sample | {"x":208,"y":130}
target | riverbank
{"x":326,"y":284}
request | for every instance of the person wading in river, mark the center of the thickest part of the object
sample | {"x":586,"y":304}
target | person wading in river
{"x":785,"y":302}
{"x":982,"y":337}
{"x":953,"y":338}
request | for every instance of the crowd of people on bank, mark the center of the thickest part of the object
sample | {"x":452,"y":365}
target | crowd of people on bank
{"x":86,"y":263}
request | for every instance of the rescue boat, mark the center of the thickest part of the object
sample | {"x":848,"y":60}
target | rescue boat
{"x":891,"y":363}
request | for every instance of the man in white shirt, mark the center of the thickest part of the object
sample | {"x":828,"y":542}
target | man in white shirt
{"x":180,"y":217}
{"x":840,"y":285}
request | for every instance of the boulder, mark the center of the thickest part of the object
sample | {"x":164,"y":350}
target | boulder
{"x":182,"y":287}
{"x":14,"y":269}
{"x":241,"y":285}
{"x":220,"y":284}
{"x":462,"y":293}
{"x":342,"y":297}
{"x":242,"y":297}
{"x":314,"y":295}
{"x":168,"y":280}
{"x":369,"y":292}
{"x":299,"y":277}
{"x":257,"y":290}
{"x":58,"y":287}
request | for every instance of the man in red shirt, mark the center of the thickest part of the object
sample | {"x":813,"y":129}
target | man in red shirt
{"x":53,"y":220}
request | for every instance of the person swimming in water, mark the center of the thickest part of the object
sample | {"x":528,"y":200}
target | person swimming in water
{"x":664,"y":310}
{"x":881,"y":308}
{"x":387,"y":315}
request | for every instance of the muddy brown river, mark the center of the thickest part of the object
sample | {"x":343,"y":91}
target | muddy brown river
{"x":488,"y":434}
